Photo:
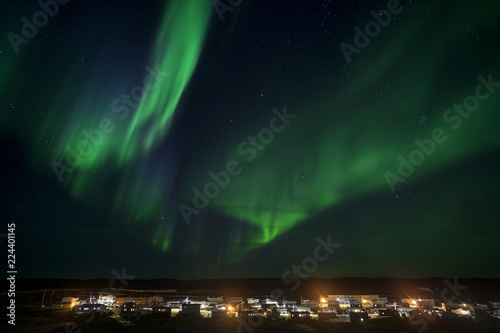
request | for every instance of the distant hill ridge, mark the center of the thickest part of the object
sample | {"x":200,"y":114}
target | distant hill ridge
{"x":477,"y":288}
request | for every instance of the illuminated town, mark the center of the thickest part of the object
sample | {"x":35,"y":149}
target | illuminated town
{"x":343,"y":308}
{"x":169,"y":309}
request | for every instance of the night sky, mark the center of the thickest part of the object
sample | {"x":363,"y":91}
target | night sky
{"x":116,"y":115}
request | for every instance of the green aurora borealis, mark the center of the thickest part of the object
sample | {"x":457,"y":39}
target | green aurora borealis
{"x":219,"y":81}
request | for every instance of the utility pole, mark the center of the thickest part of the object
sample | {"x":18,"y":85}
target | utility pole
{"x":43,"y":298}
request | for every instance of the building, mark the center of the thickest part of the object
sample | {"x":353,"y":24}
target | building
{"x":358,"y":317}
{"x":219,"y":314}
{"x":309,"y":302}
{"x":235,"y":300}
{"x":381,"y":302}
{"x":388,"y":313}
{"x":461,"y":312}
{"x":494,"y":305}
{"x":91,"y":308}
{"x":121,"y":299}
{"x":129,"y":309}
{"x":191,"y":308}
{"x":191,"y":312}
{"x":247,"y":313}
{"x":137,"y":301}
{"x":417,"y":302}
{"x":357,"y":301}
{"x":216,"y":300}
{"x":174,"y":303}
{"x":162,"y":311}
{"x":156,"y":301}
{"x":74,"y":301}
{"x":278,"y":313}
{"x":480,"y":307}
{"x":108,"y":300}
{"x":300,"y":315}
{"x":327,"y":315}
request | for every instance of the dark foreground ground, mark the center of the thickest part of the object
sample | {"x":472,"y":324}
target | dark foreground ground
{"x":44,"y":321}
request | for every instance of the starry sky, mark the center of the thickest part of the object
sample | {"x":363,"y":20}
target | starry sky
{"x":182,"y":140}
